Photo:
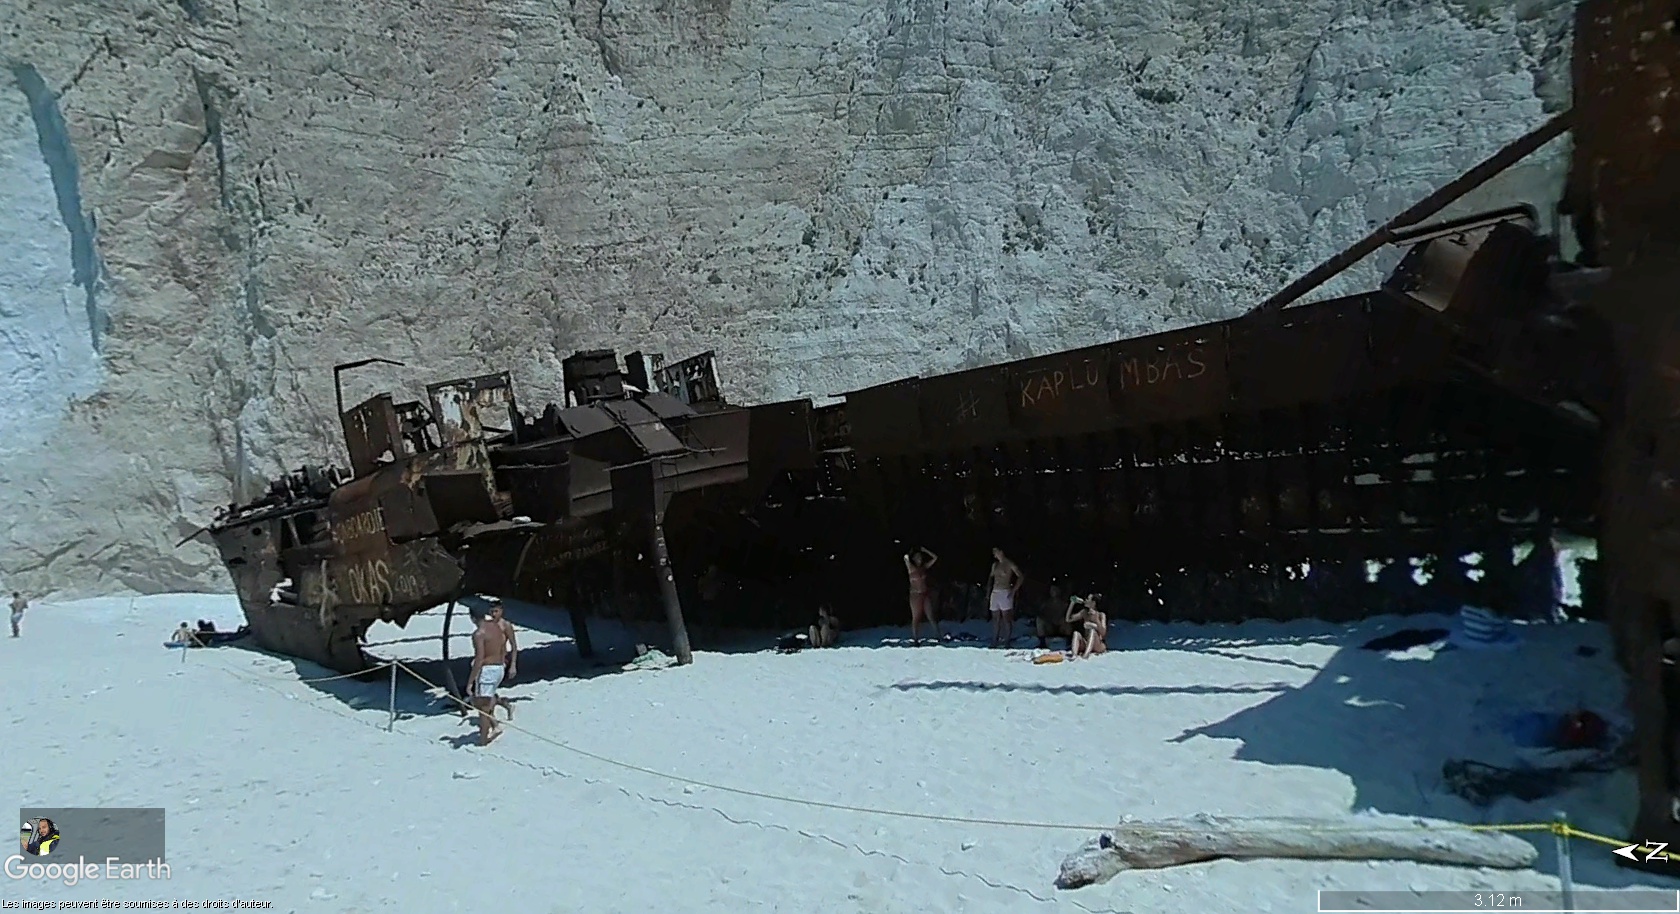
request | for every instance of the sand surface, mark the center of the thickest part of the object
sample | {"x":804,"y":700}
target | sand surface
{"x":633,"y":791}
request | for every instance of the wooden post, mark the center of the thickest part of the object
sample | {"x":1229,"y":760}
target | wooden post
{"x":1566,"y":868}
{"x":662,"y":569}
{"x":392,"y":723}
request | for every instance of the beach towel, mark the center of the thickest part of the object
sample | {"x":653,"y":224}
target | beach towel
{"x":1480,"y":630}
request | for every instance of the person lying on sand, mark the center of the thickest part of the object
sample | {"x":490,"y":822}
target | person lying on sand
{"x":1090,"y":627}
{"x":826,"y":633}
{"x":185,"y":637}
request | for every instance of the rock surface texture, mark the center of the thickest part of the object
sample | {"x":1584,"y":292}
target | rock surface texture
{"x":207,"y":203}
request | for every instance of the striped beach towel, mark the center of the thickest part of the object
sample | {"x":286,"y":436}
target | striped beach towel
{"x":1479,"y":629}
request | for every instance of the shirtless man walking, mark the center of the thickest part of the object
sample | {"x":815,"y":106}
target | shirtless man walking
{"x":494,"y":654}
{"x":19,"y":604}
{"x":1006,"y":580}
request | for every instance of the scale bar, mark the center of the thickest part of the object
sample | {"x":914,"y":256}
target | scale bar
{"x":1540,"y":901}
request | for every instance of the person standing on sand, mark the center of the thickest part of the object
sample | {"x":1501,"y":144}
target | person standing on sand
{"x":1006,"y":581}
{"x":490,"y":655}
{"x":19,"y":604}
{"x":916,"y":565}
{"x":494,"y":614}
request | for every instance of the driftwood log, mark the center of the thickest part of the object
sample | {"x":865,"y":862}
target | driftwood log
{"x":1173,"y":842}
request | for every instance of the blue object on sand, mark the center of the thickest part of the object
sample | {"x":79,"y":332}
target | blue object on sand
{"x":1533,"y":729}
{"x":1481,"y":630}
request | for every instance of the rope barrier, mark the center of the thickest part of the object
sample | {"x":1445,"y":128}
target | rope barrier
{"x":547,"y":771}
{"x":369,"y":670}
{"x":1560,"y":828}
{"x":1570,"y":831}
{"x":740,"y":791}
{"x":1552,"y":827}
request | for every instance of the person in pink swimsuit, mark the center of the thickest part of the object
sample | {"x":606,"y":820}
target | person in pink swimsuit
{"x":916,"y":564}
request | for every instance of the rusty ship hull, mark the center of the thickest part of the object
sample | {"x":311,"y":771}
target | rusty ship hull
{"x":1488,"y":394}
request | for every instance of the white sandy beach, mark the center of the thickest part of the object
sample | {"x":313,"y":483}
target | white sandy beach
{"x":293,"y":793}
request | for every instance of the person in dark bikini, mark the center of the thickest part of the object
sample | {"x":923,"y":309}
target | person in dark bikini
{"x":916,"y":564}
{"x":1090,"y":627}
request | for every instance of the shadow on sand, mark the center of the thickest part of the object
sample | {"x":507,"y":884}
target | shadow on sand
{"x":1261,"y":688}
{"x":548,"y":652}
{"x":1389,"y":722}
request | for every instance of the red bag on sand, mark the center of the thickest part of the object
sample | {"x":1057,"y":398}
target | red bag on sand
{"x":1581,"y":730}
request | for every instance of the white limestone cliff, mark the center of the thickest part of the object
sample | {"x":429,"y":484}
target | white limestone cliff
{"x":207,"y":203}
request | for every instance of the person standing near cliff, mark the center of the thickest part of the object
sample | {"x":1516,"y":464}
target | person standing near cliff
{"x":19,"y":604}
{"x":1006,"y":580}
{"x":495,"y":661}
{"x":917,"y":562}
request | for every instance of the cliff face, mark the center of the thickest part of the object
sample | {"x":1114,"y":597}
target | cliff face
{"x":204,"y":204}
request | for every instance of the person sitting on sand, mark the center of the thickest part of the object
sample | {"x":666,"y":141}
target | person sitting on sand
{"x":826,"y":633}
{"x":1090,"y":627}
{"x":1048,"y":623}
{"x":185,"y":637}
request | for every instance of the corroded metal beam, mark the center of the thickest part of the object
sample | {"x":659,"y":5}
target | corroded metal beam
{"x":1511,"y":154}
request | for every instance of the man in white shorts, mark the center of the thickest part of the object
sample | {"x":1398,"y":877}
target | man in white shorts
{"x":492,"y":653}
{"x":1006,"y":580}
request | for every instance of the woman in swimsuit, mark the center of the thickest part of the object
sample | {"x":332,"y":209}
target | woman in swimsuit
{"x":916,"y":564}
{"x":1090,"y":627}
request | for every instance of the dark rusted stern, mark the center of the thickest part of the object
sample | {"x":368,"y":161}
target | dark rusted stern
{"x":662,"y":569}
{"x":448,"y":670}
{"x":1624,"y":195}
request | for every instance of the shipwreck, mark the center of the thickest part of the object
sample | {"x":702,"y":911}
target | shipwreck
{"x":464,"y":493}
{"x":1490,"y":392}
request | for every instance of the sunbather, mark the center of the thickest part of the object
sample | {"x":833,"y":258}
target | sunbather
{"x":185,"y":637}
{"x":1090,"y":627}
{"x":826,"y":633}
{"x":1046,"y":625}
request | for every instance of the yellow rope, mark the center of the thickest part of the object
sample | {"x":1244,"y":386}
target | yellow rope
{"x":1570,"y":831}
{"x":1556,"y":828}
{"x":371,"y":669}
{"x":929,"y":817}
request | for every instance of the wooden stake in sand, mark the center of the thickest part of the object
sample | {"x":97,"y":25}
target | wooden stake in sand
{"x":1174,"y":842}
